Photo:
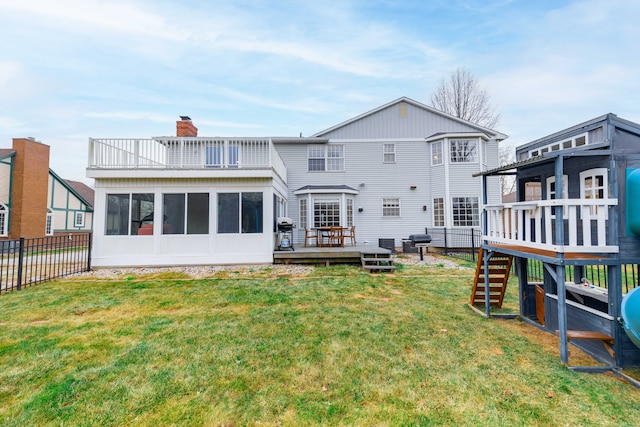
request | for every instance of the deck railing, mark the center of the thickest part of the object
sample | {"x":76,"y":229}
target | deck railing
{"x":532,"y":224}
{"x":185,"y":153}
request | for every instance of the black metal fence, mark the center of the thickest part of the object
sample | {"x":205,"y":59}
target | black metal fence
{"x":463,"y":243}
{"x":596,"y":275}
{"x":27,"y":262}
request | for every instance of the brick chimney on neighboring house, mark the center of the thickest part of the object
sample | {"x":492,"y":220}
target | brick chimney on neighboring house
{"x":29,"y":188}
{"x":185,"y":127}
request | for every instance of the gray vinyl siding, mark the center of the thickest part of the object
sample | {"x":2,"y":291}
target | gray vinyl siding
{"x":364,"y":165}
{"x":387,"y":123}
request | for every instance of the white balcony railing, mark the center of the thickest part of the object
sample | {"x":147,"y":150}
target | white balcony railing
{"x":532,"y":224}
{"x":185,"y":153}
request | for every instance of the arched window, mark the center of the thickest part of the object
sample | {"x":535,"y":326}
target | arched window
{"x":48,"y":228}
{"x":4,"y":220}
{"x":594,"y":185}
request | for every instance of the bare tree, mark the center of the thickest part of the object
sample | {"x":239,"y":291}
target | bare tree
{"x":507,"y":156}
{"x":461,"y":96}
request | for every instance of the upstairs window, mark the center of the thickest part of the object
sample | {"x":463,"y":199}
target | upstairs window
{"x":321,"y":158}
{"x":464,"y":150}
{"x":389,"y":153}
{"x":436,"y":153}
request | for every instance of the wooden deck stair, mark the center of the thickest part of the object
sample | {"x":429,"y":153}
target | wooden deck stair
{"x":377,"y":262}
{"x":499,"y":268}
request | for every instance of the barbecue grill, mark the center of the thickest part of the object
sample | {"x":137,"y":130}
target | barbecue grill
{"x":420,"y":241}
{"x":285,"y":233}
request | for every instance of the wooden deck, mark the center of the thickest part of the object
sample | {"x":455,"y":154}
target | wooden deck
{"x":324,"y":255}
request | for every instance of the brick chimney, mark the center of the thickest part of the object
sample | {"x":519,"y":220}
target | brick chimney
{"x":184,"y":127}
{"x":29,"y":188}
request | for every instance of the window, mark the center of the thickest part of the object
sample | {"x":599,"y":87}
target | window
{"x":78,"y":219}
{"x":325,"y":157}
{"x":389,"y":153}
{"x":436,"y":153}
{"x":188,"y":212}
{"x":303,"y":213}
{"x":593,"y":185}
{"x":438,"y":212}
{"x":464,"y":150}
{"x":465,"y":212}
{"x":240,"y":212}
{"x":326,"y":213}
{"x":349,"y":212}
{"x":215,"y":156}
{"x":48,"y":225}
{"x":551,"y":193}
{"x":128,"y":209}
{"x":4,"y":220}
{"x":390,"y":207}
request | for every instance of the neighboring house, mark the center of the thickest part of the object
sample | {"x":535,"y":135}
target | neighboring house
{"x":391,"y":172}
{"x":589,"y":176}
{"x":34,"y":200}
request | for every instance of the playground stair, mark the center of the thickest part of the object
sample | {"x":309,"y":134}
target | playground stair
{"x":499,"y":268}
{"x":377,"y":262}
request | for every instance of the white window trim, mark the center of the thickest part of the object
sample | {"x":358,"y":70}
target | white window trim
{"x":592,"y":173}
{"x":565,"y":192}
{"x":440,"y":160}
{"x":476,"y":150}
{"x":453,"y":220}
{"x":79,"y":215}
{"x":399,"y":207}
{"x":4,"y":213}
{"x":385,"y":153}
{"x":433,"y":212}
{"x":326,"y":157}
{"x":48,"y":226}
{"x":565,"y":144}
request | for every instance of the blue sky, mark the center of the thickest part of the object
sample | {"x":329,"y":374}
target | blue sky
{"x":74,"y":69}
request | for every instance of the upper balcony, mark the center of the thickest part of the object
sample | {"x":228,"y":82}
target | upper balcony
{"x":184,"y":157}
{"x":533,"y":225}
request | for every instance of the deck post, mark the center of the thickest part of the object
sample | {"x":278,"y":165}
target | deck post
{"x":560,"y":268}
{"x":562,"y":314}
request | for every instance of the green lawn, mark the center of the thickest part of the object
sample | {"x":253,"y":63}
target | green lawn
{"x":335,"y":347}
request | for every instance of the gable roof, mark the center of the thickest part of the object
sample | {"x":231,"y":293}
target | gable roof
{"x":83,"y":190}
{"x":416,"y":104}
{"x":73,"y":191}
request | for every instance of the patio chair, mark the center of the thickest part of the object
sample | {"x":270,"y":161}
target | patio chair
{"x":310,"y":235}
{"x":350,"y":233}
{"x":336,"y":236}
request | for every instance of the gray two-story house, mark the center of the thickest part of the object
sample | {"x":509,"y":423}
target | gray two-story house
{"x":188,"y":199}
